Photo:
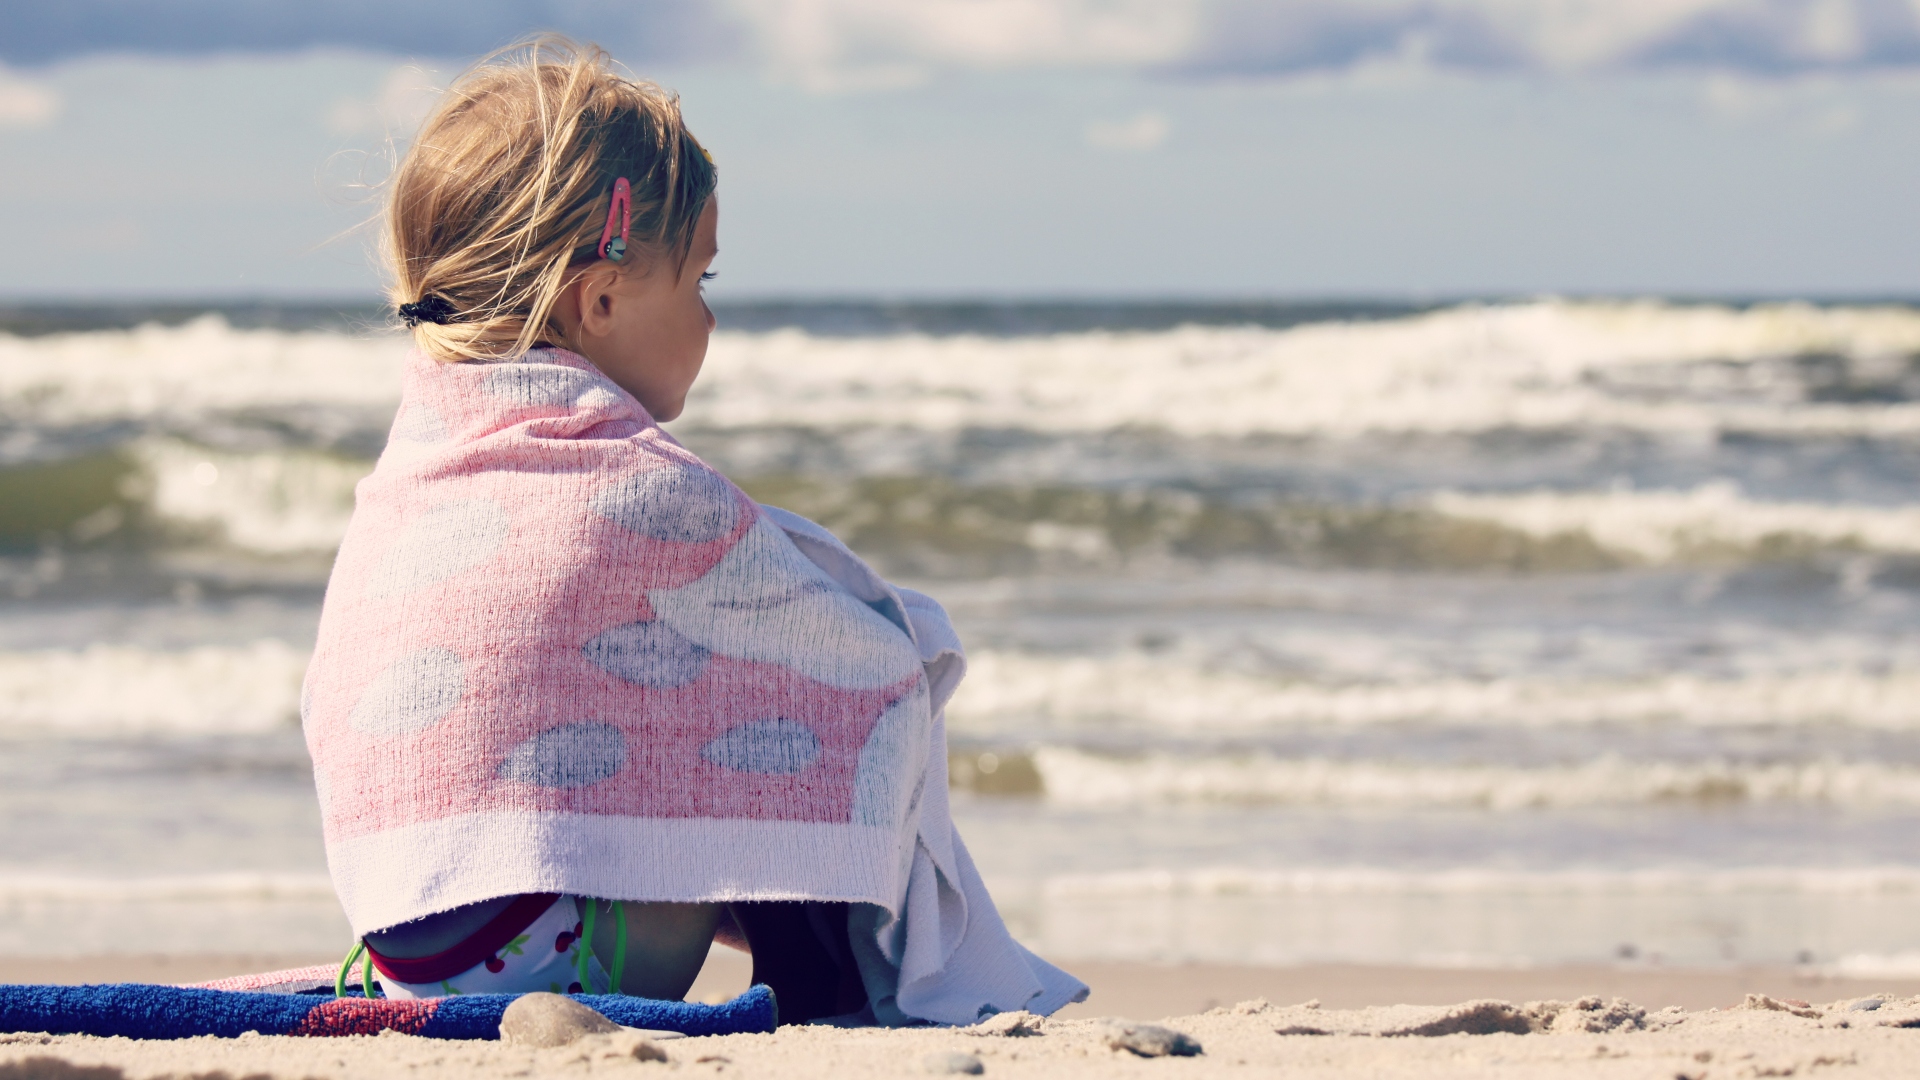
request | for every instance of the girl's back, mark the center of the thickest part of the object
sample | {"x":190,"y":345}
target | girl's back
{"x":561,"y":658}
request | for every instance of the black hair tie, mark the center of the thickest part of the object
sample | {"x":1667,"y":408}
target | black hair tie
{"x":437,"y":310}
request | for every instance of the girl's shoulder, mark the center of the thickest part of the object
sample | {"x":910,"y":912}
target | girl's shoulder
{"x":544,"y":394}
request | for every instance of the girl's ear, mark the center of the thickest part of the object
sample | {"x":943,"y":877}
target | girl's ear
{"x":593,"y":292}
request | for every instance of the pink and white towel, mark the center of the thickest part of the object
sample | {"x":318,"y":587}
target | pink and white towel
{"x":559,"y":653}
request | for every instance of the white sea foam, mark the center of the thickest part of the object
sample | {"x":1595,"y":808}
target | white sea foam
{"x":27,"y":885}
{"x":127,"y":689}
{"x":1535,"y":365}
{"x":287,"y":501}
{"x":1714,"y":518}
{"x":1528,"y":366}
{"x":1876,"y":965}
{"x":1075,"y":778}
{"x":1821,"y":920}
{"x":1381,"y":881}
{"x":52,"y":914}
{"x":255,"y":687}
{"x":1009,"y":693}
{"x":276,"y":502}
{"x":184,"y":371}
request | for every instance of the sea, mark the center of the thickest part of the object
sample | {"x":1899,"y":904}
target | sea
{"x":1482,"y":634}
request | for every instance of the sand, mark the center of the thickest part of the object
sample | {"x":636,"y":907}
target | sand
{"x":1352,"y":1030}
{"x":1134,"y":989}
{"x":1763,"y":1037}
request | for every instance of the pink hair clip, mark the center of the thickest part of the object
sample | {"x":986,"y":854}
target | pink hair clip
{"x":611,"y":246}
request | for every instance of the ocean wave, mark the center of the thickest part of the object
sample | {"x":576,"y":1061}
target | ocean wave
{"x":274,"y":503}
{"x":51,"y":914}
{"x":1077,"y":778}
{"x":185,"y":372}
{"x":1819,"y":920}
{"x":39,"y":886}
{"x":1378,"y":881}
{"x":1709,"y":521}
{"x":124,"y":689}
{"x":253,"y":439}
{"x":1644,"y":366}
{"x":934,"y":526}
{"x":1010,"y":693}
{"x":1556,"y":365}
{"x":1875,"y":965}
{"x":1008,"y":696}
{"x":174,"y":493}
{"x":293,"y":501}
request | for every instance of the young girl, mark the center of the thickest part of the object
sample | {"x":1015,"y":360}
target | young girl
{"x":578,"y":704}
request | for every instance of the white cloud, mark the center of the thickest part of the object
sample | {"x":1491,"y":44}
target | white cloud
{"x":1578,"y":34}
{"x":1143,"y":132}
{"x":855,"y":44}
{"x":835,"y":43}
{"x":404,"y":99}
{"x":1832,"y":30}
{"x":25,"y":104}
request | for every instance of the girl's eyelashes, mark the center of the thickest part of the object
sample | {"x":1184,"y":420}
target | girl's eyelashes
{"x":709,"y":275}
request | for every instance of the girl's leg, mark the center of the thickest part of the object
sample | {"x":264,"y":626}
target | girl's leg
{"x":666,"y":945}
{"x":801,"y":950}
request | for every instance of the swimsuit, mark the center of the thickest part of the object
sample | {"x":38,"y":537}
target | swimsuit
{"x":535,"y":944}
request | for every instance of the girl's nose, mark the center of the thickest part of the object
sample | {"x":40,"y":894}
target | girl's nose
{"x":711,"y":321}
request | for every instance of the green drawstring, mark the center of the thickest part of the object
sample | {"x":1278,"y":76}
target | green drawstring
{"x":340,"y":981}
{"x":587,"y":918}
{"x":586,"y":942}
{"x":366,"y":971}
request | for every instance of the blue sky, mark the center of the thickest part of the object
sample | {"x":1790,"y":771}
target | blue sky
{"x":1023,"y":147}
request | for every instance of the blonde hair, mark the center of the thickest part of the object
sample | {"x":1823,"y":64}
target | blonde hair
{"x":506,"y":190}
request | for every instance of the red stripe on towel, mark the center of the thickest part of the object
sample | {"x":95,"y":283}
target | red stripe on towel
{"x":358,"y":1016}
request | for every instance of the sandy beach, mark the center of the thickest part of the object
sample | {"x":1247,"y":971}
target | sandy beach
{"x":1305,"y":1021}
{"x":1151,"y":990}
{"x":1292,"y":674}
{"x":1762,"y":1036}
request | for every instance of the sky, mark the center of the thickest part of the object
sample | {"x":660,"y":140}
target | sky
{"x":1020,"y":148}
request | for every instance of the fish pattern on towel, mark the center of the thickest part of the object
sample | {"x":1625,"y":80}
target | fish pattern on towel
{"x":546,"y":605}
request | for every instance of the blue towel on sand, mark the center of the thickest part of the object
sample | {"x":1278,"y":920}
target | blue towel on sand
{"x":141,"y":1011}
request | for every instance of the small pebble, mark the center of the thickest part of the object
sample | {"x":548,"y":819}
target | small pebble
{"x":1151,"y":1040}
{"x":953,"y":1061}
{"x":1865,"y":1005}
{"x":550,"y":1020}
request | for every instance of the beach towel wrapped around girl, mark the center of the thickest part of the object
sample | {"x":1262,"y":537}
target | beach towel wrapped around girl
{"x":559,"y":653}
